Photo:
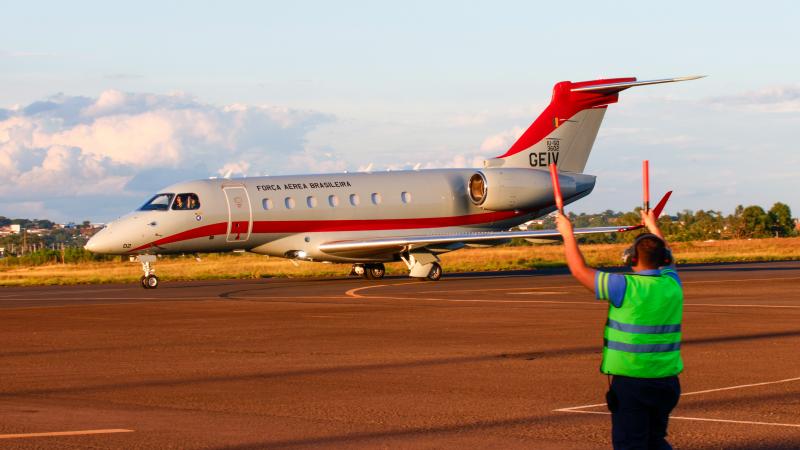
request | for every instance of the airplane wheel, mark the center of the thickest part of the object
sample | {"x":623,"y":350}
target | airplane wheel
{"x":375,"y":271}
{"x":142,"y":281}
{"x":435,"y":273}
{"x":358,"y":270}
{"x":151,"y":282}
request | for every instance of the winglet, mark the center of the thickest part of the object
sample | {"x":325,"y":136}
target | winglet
{"x":657,"y":211}
{"x":661,"y":204}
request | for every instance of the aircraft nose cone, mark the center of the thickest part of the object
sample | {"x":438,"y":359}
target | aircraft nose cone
{"x":92,"y":245}
{"x":99,"y":243}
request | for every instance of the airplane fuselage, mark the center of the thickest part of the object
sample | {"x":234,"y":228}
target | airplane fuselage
{"x":285,"y":215}
{"x":372,"y":218}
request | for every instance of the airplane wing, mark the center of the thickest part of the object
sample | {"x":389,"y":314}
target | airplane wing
{"x":366,"y":247}
{"x":362,"y":248}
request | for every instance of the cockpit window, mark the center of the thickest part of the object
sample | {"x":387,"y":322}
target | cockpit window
{"x":159,"y":202}
{"x":186,"y":201}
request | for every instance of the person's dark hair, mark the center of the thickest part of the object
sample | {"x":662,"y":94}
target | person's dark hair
{"x":651,"y":251}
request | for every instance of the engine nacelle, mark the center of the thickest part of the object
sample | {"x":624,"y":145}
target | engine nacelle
{"x":506,"y":189}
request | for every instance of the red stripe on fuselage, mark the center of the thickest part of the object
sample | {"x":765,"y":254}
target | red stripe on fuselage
{"x":311,"y":226}
{"x":308,"y":226}
{"x":194,"y":233}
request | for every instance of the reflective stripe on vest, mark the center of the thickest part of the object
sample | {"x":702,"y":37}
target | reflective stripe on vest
{"x":641,"y":348}
{"x":643,"y":329}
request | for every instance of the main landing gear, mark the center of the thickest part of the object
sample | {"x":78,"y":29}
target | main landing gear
{"x":370,"y":271}
{"x":149,"y":280}
{"x":435,"y":273}
{"x":423,"y":266}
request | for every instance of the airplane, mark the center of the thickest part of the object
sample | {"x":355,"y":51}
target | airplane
{"x":367,"y":219}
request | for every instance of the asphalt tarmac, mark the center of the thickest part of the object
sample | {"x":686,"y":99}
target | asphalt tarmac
{"x":500,"y":360}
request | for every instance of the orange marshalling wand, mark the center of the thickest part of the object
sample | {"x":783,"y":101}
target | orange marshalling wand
{"x":646,"y":184}
{"x":556,"y":188}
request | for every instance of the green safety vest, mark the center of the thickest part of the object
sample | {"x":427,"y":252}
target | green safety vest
{"x":643,"y":336}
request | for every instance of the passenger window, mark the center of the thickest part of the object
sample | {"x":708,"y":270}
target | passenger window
{"x":267,"y":204}
{"x":185,"y":202}
{"x":354,"y":200}
{"x":159,"y":202}
{"x":405,"y":197}
{"x":289,"y":202}
{"x":376,"y":198}
{"x":333,"y":201}
{"x":311,"y":201}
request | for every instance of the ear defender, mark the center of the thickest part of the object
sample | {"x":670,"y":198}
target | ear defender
{"x":668,"y":259}
{"x":629,"y":257}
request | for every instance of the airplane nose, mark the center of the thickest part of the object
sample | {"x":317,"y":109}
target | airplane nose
{"x":92,"y":245}
{"x":99,"y":243}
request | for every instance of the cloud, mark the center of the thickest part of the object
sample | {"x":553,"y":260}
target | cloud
{"x":18,"y":54}
{"x":775,"y":99}
{"x":131,"y":144}
{"x":502,"y":141}
{"x":122,"y":76}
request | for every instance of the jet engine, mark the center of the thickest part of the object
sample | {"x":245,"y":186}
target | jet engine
{"x":506,"y":189}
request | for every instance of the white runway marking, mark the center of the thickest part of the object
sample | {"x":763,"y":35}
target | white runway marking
{"x":580,"y":409}
{"x":742,"y":386}
{"x":64,"y":433}
{"x":699,"y":419}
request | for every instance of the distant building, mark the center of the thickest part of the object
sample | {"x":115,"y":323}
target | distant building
{"x":9,"y":230}
{"x":797,"y":224}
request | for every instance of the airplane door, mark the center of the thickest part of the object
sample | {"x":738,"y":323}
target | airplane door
{"x":240,"y":217}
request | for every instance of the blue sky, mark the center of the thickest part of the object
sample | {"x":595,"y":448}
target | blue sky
{"x":104,"y":103}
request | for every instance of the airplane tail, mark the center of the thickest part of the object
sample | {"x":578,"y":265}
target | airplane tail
{"x":565,"y":131}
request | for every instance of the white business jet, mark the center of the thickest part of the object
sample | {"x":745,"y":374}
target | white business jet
{"x":367,"y":219}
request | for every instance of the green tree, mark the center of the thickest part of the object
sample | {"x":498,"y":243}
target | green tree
{"x":781,"y":218}
{"x":756,"y":222}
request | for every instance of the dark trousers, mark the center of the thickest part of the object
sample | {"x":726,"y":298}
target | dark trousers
{"x":639,"y":417}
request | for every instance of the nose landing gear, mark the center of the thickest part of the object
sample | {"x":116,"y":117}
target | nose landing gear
{"x":149,"y":280}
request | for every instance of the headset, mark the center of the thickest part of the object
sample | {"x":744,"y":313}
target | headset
{"x":630,"y":256}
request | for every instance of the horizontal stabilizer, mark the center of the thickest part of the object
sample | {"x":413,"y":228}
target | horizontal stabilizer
{"x":612,"y":88}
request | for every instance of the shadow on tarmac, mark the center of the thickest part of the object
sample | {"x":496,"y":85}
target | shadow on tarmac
{"x":554,"y":353}
{"x":382,"y":436}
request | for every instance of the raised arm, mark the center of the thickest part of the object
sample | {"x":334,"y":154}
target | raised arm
{"x":651,"y":222}
{"x":577,"y":265}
